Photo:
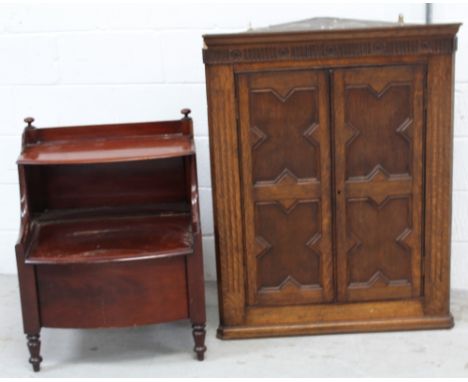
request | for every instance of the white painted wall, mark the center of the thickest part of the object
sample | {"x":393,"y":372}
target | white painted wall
{"x":68,"y":63}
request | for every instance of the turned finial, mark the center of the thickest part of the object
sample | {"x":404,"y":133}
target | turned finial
{"x":401,"y":19}
{"x":186,"y":113}
{"x":29,"y":121}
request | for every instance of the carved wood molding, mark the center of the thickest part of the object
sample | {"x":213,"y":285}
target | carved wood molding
{"x":329,"y":49}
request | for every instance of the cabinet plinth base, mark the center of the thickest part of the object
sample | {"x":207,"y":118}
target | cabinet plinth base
{"x":376,"y":325}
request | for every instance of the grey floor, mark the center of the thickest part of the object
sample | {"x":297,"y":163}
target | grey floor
{"x":165,"y":350}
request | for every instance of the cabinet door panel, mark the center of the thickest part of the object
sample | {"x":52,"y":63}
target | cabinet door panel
{"x":285,"y":156}
{"x":378,"y":180}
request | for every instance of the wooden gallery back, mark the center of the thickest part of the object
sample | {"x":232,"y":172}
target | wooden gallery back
{"x":331,"y":150}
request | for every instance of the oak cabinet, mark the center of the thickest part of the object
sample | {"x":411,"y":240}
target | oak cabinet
{"x":331,"y":165}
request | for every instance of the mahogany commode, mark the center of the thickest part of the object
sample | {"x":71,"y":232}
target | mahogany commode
{"x":110,"y":229}
{"x":331,"y":150}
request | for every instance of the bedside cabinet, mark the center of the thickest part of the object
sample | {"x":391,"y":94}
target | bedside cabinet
{"x":331,"y":150}
{"x":110,"y":228}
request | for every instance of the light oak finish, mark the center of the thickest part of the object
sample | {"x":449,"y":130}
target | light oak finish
{"x":331,"y":149}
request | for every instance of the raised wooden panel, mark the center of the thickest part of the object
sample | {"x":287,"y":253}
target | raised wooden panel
{"x":285,"y":159}
{"x":378,"y":258}
{"x":378,"y":177}
{"x":288,"y":263}
{"x":384,"y":120}
{"x":283,"y":121}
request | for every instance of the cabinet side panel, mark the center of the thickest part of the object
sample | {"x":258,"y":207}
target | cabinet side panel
{"x":27,"y":273}
{"x":439,"y":142}
{"x":226,"y":193}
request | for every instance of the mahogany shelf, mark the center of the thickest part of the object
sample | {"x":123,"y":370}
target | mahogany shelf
{"x":107,"y":150}
{"x":110,"y":237}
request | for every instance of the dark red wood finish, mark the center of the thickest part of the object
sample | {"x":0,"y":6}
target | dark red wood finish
{"x":99,"y":150}
{"x":110,"y":238}
{"x":110,"y":232}
{"x":114,"y":294}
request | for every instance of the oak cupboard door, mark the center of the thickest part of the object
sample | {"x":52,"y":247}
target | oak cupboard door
{"x":285,"y":167}
{"x":378,"y":122}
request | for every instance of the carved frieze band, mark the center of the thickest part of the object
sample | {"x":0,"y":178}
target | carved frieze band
{"x":328,"y":50}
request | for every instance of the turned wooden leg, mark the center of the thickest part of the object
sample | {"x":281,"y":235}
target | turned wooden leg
{"x":34,"y":345}
{"x":199,"y":337}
